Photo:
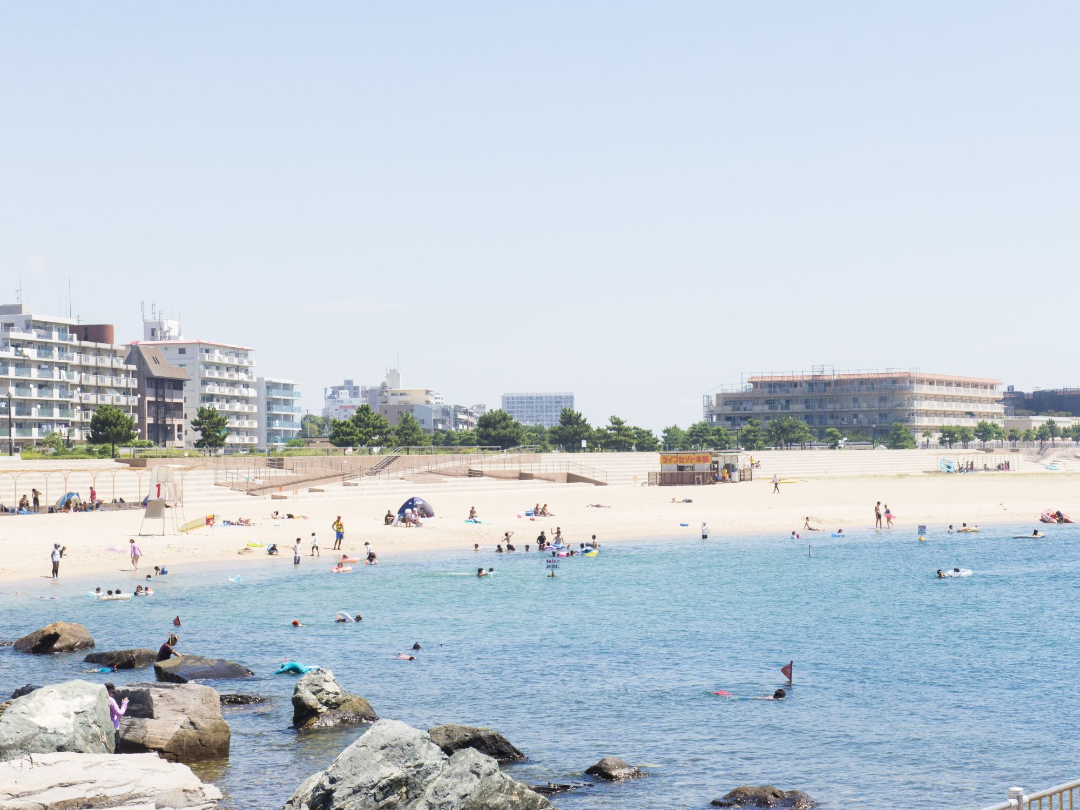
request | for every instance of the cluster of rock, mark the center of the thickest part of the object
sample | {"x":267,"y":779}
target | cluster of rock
{"x":122,"y":659}
{"x":187,"y":668}
{"x":395,"y":765}
{"x":319,"y":701}
{"x":54,"y":638}
{"x":765,"y":796}
{"x":452,"y":738}
{"x":180,"y":722}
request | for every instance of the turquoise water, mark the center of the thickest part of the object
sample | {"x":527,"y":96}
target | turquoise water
{"x":909,"y":691}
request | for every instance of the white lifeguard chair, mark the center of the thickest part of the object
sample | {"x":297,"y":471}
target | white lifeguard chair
{"x":163,"y":502}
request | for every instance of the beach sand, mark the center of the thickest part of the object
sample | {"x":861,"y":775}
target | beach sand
{"x":636,"y":513}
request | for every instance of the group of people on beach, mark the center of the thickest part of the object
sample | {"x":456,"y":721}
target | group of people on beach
{"x":878,"y":514}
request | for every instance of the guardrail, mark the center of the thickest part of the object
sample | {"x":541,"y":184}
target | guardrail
{"x":1043,"y":799}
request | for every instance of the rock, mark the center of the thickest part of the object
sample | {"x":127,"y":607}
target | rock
{"x":613,"y":769}
{"x":319,"y":702}
{"x":122,"y":659}
{"x":396,"y":766}
{"x":451,"y":738}
{"x":23,"y":690}
{"x":554,"y":788}
{"x":181,"y":722}
{"x":196,"y":668}
{"x":242,"y":699}
{"x":56,"y":637}
{"x":72,"y":716}
{"x":765,"y":796}
{"x":56,"y":781}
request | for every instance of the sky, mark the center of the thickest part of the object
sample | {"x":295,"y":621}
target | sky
{"x":632,"y":201}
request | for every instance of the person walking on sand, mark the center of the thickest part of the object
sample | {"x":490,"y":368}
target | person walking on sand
{"x":877,"y":515}
{"x":888,"y":516}
{"x":136,"y":552}
{"x":57,"y":553}
{"x":776,"y":484}
{"x":339,"y":533}
{"x":315,"y":546}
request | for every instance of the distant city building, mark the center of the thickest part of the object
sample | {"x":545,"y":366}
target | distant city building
{"x":220,"y":374}
{"x":1059,"y":400}
{"x":872,"y":400}
{"x":479,"y":409}
{"x":1036,"y":422}
{"x":278,"y":411}
{"x":341,"y":401}
{"x":159,"y":414}
{"x":55,"y":373}
{"x":537,"y":409}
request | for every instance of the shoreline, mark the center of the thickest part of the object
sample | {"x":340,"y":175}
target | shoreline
{"x":637,"y":514}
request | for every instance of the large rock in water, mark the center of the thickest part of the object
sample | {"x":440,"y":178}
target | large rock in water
{"x":319,"y":702}
{"x":61,"y":781}
{"x":72,"y":716}
{"x":122,"y":659}
{"x":56,"y":637}
{"x":452,"y":737}
{"x":181,"y":722}
{"x":396,"y":766}
{"x":196,"y":668}
{"x":765,"y":796}
{"x":613,"y":769}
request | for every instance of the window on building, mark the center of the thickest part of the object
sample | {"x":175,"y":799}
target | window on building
{"x":182,"y":350}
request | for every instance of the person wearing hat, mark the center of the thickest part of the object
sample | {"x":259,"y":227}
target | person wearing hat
{"x":116,"y":711}
{"x":57,"y":553}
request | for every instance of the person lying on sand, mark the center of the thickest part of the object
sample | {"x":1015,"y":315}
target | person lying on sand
{"x":598,"y":505}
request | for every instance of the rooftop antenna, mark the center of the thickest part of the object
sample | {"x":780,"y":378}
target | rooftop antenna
{"x":69,"y":296}
{"x":142,"y":309}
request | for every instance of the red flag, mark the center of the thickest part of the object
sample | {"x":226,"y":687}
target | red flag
{"x":787,"y":670}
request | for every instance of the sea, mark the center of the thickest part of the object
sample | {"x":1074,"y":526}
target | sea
{"x":908,"y":691}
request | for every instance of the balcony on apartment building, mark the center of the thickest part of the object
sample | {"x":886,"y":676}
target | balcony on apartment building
{"x":281,"y":393}
{"x":242,"y":423}
{"x":282,"y":424}
{"x":229,"y":407}
{"x":218,"y":374}
{"x":225,"y":359}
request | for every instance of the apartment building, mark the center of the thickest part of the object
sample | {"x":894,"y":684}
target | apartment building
{"x":873,"y":399}
{"x":278,"y":411}
{"x":537,"y":409}
{"x":341,"y":401}
{"x":54,"y":373}
{"x":159,"y":413}
{"x":220,"y":374}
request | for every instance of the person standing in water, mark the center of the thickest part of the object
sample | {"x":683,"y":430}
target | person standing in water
{"x":57,"y":553}
{"x":877,"y":515}
{"x":296,"y":552}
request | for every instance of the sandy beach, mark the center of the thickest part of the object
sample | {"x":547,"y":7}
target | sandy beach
{"x":634,"y":513}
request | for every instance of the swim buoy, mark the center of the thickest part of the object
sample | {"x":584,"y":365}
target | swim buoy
{"x":959,"y":572}
{"x":838,"y":534}
{"x":115,"y":597}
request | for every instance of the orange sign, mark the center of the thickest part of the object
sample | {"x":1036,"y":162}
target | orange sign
{"x":686,"y":458}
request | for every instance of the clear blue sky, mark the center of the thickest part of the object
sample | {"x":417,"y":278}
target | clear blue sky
{"x":631,"y":201}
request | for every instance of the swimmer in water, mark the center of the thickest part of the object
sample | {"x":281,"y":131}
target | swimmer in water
{"x":1037,"y":533}
{"x":779,"y":694}
{"x":406,"y":657}
{"x":840,"y":532}
{"x":296,"y":623}
{"x":480,"y":572}
{"x":940,"y":574}
{"x":951,"y":529}
{"x":476,"y":547}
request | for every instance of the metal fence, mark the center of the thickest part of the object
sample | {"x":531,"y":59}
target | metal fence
{"x":1060,"y":797}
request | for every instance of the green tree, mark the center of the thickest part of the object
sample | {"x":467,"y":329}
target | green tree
{"x":52,"y":441}
{"x":313,"y":427}
{"x":444,"y":438}
{"x":899,"y":437}
{"x":373,"y":428}
{"x":616,"y":435}
{"x":673,"y":437}
{"x":294,"y":443}
{"x":984,"y":431}
{"x":467,"y":438}
{"x":407,"y":432}
{"x":752,"y":437}
{"x":784,"y":431}
{"x":499,"y":429}
{"x":1015,"y":435}
{"x":1029,"y":435}
{"x":699,"y":436}
{"x":211,"y":426}
{"x":537,"y":435}
{"x":948,"y":435}
{"x":857,"y":434}
{"x":645,"y":440}
{"x":343,"y":433}
{"x":573,"y":427}
{"x":722,"y":438}
{"x":965,"y":435}
{"x":928,"y":435}
{"x":110,"y":425}
{"x":833,"y":437}
{"x":1053,"y":428}
{"x":1043,"y":433}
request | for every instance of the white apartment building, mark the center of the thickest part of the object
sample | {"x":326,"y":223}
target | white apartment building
{"x":221,"y":375}
{"x":279,"y":413}
{"x":537,"y":409}
{"x":54,"y":373}
{"x":341,"y":401}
